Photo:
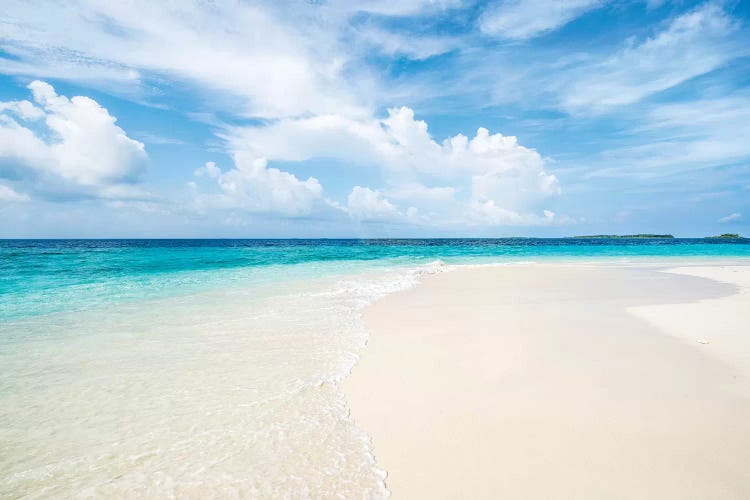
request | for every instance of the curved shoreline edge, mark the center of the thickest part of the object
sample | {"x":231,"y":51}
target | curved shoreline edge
{"x":514,"y":380}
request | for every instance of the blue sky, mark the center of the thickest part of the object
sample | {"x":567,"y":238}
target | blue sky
{"x":376,"y":118}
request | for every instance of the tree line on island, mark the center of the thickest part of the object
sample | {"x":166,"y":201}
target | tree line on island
{"x":734,"y":236}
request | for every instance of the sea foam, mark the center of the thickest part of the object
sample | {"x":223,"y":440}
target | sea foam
{"x":221,"y":393}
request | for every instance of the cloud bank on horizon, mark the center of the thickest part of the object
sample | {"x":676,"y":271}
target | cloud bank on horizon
{"x":372,"y":118}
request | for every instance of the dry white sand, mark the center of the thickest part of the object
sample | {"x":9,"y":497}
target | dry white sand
{"x":540,"y":382}
{"x":721,"y":326}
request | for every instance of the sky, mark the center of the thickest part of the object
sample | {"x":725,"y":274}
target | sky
{"x":373,"y":118}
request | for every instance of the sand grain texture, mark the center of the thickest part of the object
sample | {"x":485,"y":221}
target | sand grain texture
{"x":537,"y":382}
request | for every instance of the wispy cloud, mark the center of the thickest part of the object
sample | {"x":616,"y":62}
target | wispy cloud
{"x":406,"y":45}
{"x":152,"y":138}
{"x":690,"y":45}
{"x":683,"y":136}
{"x":257,"y":59}
{"x":244,"y":50}
{"x":8,"y":195}
{"x":340,"y":80}
{"x":524,"y":19}
{"x":733,"y":217}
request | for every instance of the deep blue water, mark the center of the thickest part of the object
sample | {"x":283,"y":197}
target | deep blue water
{"x":43,"y":276}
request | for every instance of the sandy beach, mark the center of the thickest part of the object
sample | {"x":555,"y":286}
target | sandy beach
{"x":560,"y":381}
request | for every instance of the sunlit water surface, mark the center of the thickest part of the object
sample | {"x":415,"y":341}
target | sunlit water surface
{"x":209,"y":368}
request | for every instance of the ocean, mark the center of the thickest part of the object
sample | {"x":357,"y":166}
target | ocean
{"x":209,"y":368}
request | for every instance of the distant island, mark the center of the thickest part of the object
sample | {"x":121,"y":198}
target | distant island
{"x":627,"y":236}
{"x":731,"y":236}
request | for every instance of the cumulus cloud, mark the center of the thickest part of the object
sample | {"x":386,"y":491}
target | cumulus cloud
{"x":421,"y":193}
{"x":254,"y":187}
{"x":73,"y":143}
{"x":315,"y":78}
{"x":522,"y":19}
{"x":398,"y":141}
{"x":486,"y":168}
{"x":23,"y":109}
{"x":488,"y":213}
{"x":365,"y":204}
{"x":733,"y":217}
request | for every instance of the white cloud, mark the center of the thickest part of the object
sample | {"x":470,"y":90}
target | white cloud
{"x":701,"y":114}
{"x":398,"y":141}
{"x":23,"y":109}
{"x":583,"y":79}
{"x":487,"y":167}
{"x":72,"y":143}
{"x":152,"y":138}
{"x":487,"y":213}
{"x":406,"y":45}
{"x":296,"y":68}
{"x":7,"y":194}
{"x":254,"y":187}
{"x":365,"y":204}
{"x":298,"y":139}
{"x":690,"y":45}
{"x":419,"y":192}
{"x":523,"y":19}
{"x":244,"y":49}
{"x":733,"y":217}
{"x":683,"y":136}
{"x":393,"y":7}
{"x":209,"y":170}
{"x":262,"y":59}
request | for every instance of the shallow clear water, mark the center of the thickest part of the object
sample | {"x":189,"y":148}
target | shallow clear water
{"x":42,"y":276}
{"x":208,"y":368}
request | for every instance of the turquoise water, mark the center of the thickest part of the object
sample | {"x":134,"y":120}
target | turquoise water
{"x":210,"y":368}
{"x":44,"y":276}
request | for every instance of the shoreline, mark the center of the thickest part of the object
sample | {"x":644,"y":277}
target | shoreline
{"x":112,"y":399}
{"x":539,"y":381}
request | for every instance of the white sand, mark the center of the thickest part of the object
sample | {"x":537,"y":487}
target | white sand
{"x":721,"y":326}
{"x":538,"y":382}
